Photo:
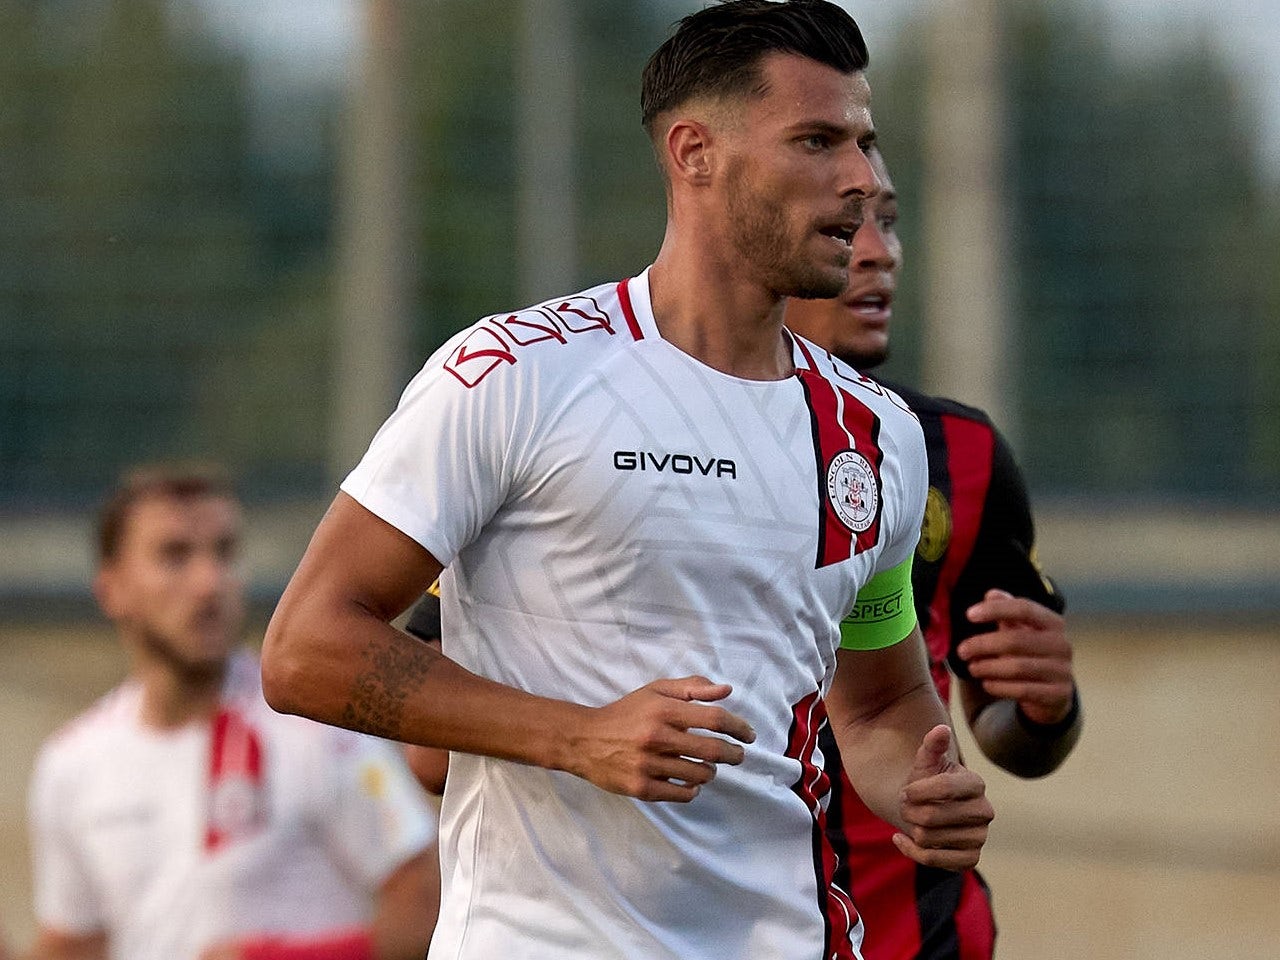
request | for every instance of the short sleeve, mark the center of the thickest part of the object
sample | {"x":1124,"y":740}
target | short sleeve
{"x":912,"y":486}
{"x":65,"y":899}
{"x":1003,"y":555}
{"x":441,"y":465}
{"x":380,"y":816}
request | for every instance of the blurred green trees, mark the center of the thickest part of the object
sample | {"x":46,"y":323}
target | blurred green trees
{"x":140,"y":255}
{"x":166,"y":277}
{"x":1145,"y":260}
{"x":465,"y":97}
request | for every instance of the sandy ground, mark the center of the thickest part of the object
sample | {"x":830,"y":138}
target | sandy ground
{"x":1160,"y":838}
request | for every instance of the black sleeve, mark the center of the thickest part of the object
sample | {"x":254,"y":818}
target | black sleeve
{"x":424,"y":621}
{"x":1003,"y":556}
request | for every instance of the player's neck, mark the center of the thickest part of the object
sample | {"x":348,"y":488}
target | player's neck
{"x":705,"y":308}
{"x":173,"y":698}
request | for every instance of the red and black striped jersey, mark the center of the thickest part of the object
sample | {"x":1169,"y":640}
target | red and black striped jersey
{"x":977,"y":534}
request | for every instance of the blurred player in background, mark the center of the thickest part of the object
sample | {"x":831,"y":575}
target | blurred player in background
{"x":983,"y":603}
{"x":646,"y":560}
{"x":182,"y":818}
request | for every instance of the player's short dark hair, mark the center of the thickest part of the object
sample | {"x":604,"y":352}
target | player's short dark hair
{"x":182,"y":481}
{"x":717,"y":51}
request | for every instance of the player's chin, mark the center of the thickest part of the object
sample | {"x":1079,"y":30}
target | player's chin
{"x":865,"y":349}
{"x":208,"y":645}
{"x":819,"y":282}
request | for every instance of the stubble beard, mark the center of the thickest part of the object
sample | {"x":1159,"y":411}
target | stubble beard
{"x":191,"y":672}
{"x":862,"y":362}
{"x":758,"y":225}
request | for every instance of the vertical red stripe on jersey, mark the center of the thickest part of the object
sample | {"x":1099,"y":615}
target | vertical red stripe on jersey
{"x":864,"y":426}
{"x":975,"y":924}
{"x":969,"y":447}
{"x":235,"y":780}
{"x":835,"y":540}
{"x":628,"y":311}
{"x":840,"y":916}
{"x":831,"y":432}
{"x":804,"y":350}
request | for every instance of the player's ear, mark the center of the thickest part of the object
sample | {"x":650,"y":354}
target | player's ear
{"x":108,"y":592}
{"x":689,"y":152}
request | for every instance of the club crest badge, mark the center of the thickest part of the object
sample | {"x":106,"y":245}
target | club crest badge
{"x":853,"y":491}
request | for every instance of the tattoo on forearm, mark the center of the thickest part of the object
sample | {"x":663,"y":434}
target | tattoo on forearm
{"x":393,"y":671}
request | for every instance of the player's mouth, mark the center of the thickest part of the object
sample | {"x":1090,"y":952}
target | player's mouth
{"x":873,"y":307}
{"x":210,"y":618}
{"x":842,"y":232}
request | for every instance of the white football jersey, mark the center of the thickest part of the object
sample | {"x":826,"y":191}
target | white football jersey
{"x":611,"y":511}
{"x":254,"y":823}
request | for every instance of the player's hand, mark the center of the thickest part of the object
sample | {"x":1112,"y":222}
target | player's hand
{"x":1026,"y":658}
{"x":644,"y":746}
{"x":944,"y":806}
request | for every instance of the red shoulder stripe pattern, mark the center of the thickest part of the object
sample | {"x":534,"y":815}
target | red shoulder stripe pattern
{"x":841,"y":423}
{"x":628,"y":311}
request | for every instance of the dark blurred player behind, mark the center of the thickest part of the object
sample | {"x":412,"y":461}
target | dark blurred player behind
{"x":986,"y":609}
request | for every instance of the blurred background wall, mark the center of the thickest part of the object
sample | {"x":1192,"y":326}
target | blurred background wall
{"x":233,"y":231}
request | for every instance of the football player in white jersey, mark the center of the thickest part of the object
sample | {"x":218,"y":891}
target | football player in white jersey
{"x":673,"y":536}
{"x":182,"y":818}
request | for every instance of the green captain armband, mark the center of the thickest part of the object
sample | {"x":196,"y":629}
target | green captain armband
{"x":884,"y":612}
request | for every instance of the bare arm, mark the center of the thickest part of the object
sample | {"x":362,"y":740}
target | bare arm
{"x":429,"y":765}
{"x":55,"y":945}
{"x":894,"y":736}
{"x":1012,"y":657}
{"x":408,"y":904}
{"x":1020,"y":697}
{"x":330,"y":654}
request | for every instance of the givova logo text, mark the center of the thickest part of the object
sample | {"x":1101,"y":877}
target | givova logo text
{"x":682,"y":463}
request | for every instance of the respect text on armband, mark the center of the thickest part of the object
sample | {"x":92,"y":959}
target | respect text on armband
{"x":877,"y":609}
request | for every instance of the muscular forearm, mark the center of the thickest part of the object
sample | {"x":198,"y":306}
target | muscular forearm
{"x":879,"y":748}
{"x":345,"y":666}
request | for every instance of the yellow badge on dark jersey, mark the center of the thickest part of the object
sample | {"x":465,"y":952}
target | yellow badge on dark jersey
{"x":1044,"y":577}
{"x":935,"y":529}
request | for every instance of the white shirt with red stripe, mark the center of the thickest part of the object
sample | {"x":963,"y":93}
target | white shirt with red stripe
{"x":170,"y":841}
{"x":612,"y":511}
